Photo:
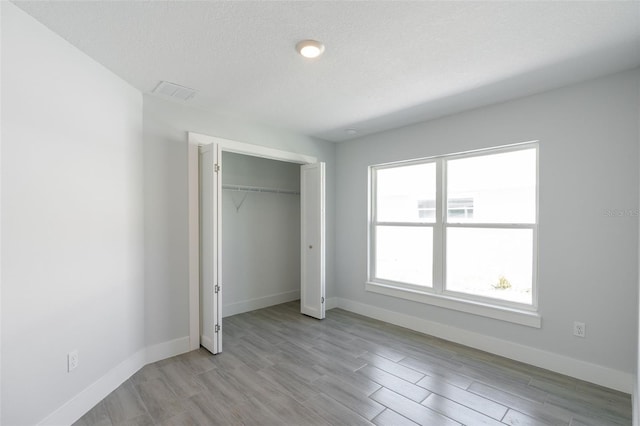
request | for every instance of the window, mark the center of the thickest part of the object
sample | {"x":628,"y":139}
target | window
{"x":462,"y":226}
{"x":404,"y":233}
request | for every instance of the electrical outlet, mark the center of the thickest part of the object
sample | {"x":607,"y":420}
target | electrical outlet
{"x":579,"y":329}
{"x":72,"y":360}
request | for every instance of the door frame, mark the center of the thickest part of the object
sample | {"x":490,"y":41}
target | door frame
{"x":195,"y":141}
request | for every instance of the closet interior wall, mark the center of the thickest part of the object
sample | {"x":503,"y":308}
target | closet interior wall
{"x":260,"y":233}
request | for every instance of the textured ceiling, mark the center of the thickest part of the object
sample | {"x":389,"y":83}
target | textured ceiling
{"x":386,"y":64}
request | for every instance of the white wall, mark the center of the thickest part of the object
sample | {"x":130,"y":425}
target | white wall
{"x":261,"y":234}
{"x":588,"y":262}
{"x":636,"y":388}
{"x":166,"y":235}
{"x":72,"y":236}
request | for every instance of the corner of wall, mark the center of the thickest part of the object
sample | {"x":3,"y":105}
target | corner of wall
{"x":84,"y":401}
{"x":77,"y":406}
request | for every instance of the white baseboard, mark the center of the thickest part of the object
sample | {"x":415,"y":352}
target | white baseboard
{"x":167,"y":349}
{"x":330,"y":303}
{"x":634,"y":403}
{"x":259,"y":303}
{"x":77,"y":406}
{"x":600,"y":375}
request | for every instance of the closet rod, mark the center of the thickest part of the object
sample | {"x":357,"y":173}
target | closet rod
{"x":243,"y":188}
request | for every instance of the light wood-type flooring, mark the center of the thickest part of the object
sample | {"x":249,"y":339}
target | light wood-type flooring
{"x":279,"y":367}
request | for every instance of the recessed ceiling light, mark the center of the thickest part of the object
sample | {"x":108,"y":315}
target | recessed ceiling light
{"x":351,"y":132}
{"x":310,"y":48}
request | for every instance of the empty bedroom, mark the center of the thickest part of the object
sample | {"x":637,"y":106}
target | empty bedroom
{"x":319,"y":213}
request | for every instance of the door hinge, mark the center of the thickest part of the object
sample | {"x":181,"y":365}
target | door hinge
{"x":216,"y":168}
{"x":216,"y":328}
{"x":322,"y":300}
{"x":216,"y":289}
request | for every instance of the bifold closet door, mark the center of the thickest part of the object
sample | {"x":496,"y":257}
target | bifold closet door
{"x":210,"y":253}
{"x":312,"y":209}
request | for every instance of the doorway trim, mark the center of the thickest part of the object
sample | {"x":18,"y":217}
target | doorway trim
{"x":195,"y":141}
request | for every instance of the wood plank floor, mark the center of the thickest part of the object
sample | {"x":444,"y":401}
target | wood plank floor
{"x":282,"y":368}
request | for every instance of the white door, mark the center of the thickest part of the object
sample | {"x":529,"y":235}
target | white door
{"x":312,"y":290}
{"x":210,"y":254}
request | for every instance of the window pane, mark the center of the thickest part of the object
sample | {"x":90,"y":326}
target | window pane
{"x":495,"y":263}
{"x":497,"y":188}
{"x":406,"y":193}
{"x":405,"y":254}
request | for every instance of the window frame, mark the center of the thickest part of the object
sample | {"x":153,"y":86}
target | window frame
{"x":374,"y":222}
{"x":438,"y":294}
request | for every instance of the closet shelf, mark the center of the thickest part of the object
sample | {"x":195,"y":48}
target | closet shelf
{"x":242,"y":188}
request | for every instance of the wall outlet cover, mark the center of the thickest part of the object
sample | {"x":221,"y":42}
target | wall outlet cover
{"x":72,"y":360}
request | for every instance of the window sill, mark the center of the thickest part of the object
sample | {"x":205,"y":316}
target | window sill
{"x":516,"y":316}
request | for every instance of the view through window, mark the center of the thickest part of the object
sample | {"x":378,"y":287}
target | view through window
{"x":462,"y":225}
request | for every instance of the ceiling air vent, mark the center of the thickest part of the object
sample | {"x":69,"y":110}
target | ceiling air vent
{"x":175,"y":91}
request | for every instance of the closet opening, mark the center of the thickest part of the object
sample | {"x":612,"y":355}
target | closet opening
{"x":260,"y":232}
{"x":257,"y":233}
